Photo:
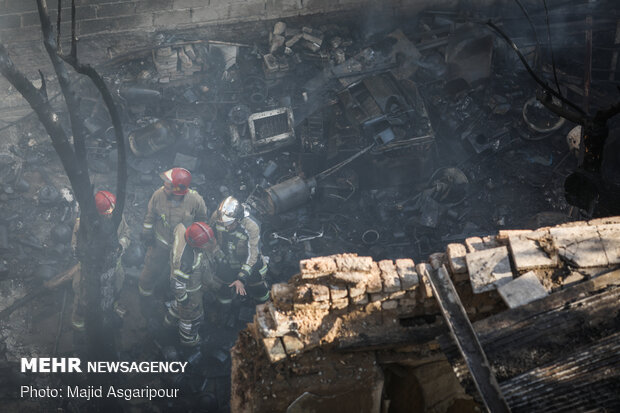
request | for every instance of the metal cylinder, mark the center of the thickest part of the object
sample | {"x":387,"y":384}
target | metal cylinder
{"x":150,"y":139}
{"x":289,"y":194}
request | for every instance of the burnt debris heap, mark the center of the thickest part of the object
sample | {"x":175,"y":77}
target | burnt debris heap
{"x":350,"y":333}
{"x":363,"y":137}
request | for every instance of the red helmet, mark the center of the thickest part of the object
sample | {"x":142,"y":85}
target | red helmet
{"x":105,"y":202}
{"x":198,"y":234}
{"x":180,"y":178}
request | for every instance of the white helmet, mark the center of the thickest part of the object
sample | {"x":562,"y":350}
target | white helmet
{"x":229,"y":211}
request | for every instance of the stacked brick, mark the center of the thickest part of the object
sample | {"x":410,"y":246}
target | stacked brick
{"x":311,"y":309}
{"x":346,"y":294}
{"x":539,"y":259}
{"x":174,"y":63}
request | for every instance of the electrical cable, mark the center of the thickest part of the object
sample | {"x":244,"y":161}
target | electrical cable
{"x":527,"y":15}
{"x":555,"y":74}
{"x":529,"y":69}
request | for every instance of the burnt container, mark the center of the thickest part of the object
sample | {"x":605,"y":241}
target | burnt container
{"x":151,"y":139}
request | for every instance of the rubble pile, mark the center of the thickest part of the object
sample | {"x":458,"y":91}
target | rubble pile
{"x":355,"y":146}
{"x":346,"y":305}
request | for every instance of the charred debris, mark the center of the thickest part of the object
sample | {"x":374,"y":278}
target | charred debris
{"x":385,"y":142}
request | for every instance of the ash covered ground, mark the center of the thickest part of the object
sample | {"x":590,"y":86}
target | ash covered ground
{"x":450,"y":144}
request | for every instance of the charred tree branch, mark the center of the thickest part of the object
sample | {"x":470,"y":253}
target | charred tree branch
{"x":83,"y":190}
{"x":121,"y":178}
{"x":46,"y":115}
{"x":73,"y":35}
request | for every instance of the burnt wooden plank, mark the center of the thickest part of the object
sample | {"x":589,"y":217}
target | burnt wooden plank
{"x":413,"y":335}
{"x":588,"y":377}
{"x":467,"y":341}
{"x":555,"y":300}
{"x":519,"y":340}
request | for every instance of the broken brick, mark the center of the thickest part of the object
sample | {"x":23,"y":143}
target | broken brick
{"x":389,"y":276}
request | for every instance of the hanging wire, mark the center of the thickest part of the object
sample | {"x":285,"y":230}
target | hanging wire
{"x":527,"y":15}
{"x":529,"y":69}
{"x":555,"y":74}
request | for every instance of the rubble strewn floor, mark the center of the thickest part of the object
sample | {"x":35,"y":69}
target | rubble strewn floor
{"x":450,"y":145}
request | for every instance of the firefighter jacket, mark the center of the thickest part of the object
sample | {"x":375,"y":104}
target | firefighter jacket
{"x":240,"y":244}
{"x":165,"y":212}
{"x":186,"y":267}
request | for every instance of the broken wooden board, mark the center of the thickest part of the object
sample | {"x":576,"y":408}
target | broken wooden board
{"x":586,"y":378}
{"x":467,"y":341}
{"x":522,"y":339}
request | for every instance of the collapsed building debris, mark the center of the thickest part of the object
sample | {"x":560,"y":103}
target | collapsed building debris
{"x":384,"y":143}
{"x":346,"y":312}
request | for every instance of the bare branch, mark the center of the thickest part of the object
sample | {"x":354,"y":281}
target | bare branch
{"x":87,"y":70}
{"x":83,"y":191}
{"x":58,"y":20}
{"x":73,"y":36}
{"x":48,"y":118}
{"x":43,"y":88}
{"x":121,"y":176}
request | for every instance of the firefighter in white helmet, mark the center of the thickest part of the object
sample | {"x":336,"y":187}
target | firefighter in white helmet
{"x":243,"y":267}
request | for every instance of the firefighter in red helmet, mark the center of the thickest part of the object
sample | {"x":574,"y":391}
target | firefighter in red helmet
{"x":190,"y":258}
{"x":105,"y":202}
{"x":172,"y":204}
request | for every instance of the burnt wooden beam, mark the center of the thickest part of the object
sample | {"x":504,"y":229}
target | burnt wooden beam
{"x":465,"y":337}
{"x":411,"y":336}
{"x":542,"y":332}
{"x":587,"y":377}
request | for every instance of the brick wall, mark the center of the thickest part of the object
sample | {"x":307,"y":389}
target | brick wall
{"x":112,"y":28}
{"x":108,"y":26}
{"x":19,"y":19}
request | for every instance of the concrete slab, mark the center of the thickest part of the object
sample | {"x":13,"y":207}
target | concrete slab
{"x":527,"y":252}
{"x":522,"y":290}
{"x":610,"y":237}
{"x":580,"y":246}
{"x":604,"y":221}
{"x":488,"y":269}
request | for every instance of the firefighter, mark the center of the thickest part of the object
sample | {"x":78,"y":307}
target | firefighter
{"x":172,"y":204}
{"x":104,"y":202}
{"x":190,"y":258}
{"x":243,"y":267}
